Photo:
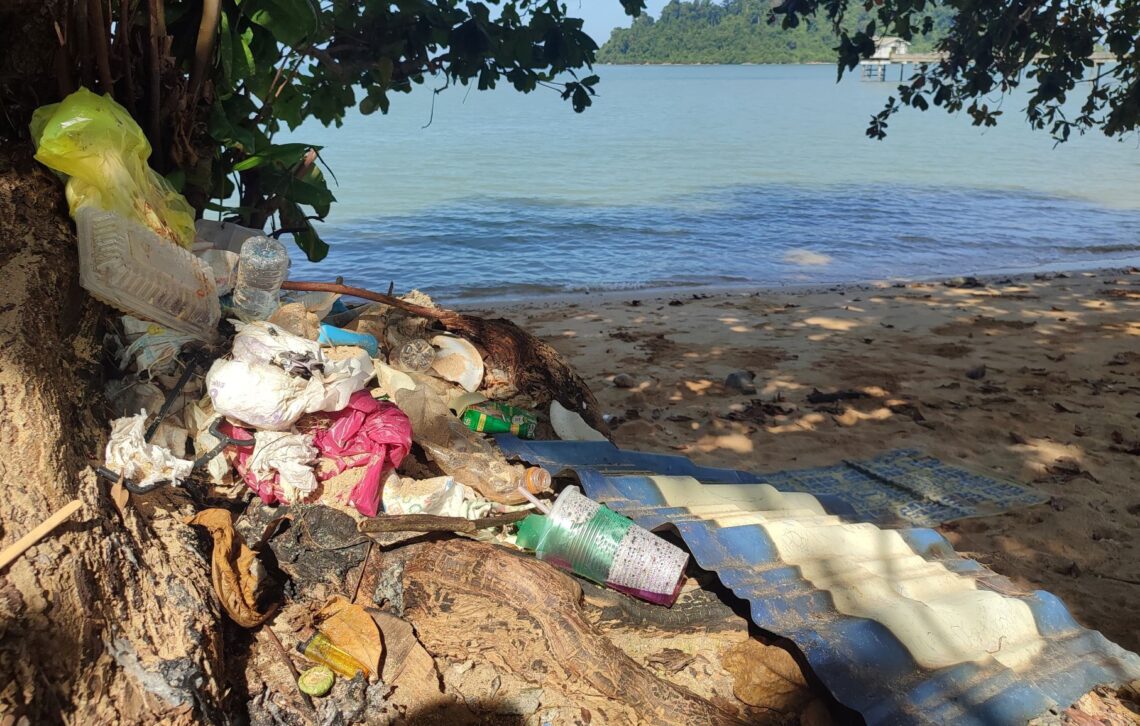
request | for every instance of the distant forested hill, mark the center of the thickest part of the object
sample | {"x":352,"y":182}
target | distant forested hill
{"x":735,"y":31}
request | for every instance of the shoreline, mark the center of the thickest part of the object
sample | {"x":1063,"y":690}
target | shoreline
{"x":508,"y":302}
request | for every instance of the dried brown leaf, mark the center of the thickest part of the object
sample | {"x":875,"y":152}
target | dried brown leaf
{"x":230,"y":568}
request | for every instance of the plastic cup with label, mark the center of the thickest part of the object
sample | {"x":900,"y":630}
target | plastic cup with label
{"x":601,"y":545}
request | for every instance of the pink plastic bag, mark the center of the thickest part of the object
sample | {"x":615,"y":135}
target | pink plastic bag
{"x":366,"y":432}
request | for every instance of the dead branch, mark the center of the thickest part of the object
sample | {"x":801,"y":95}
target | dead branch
{"x":434,"y":523}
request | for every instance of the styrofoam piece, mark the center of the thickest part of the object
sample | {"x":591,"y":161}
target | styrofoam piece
{"x":131,"y":268}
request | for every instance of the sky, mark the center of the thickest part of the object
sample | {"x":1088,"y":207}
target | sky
{"x":602,"y":16}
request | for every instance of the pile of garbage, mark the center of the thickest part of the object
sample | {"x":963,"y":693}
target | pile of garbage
{"x":306,"y":407}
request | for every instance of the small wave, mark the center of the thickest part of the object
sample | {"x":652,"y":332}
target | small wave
{"x":1101,"y":249}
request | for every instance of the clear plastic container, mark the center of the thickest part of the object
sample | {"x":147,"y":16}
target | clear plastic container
{"x":489,"y":474}
{"x":262,"y":267}
{"x":224,"y":235}
{"x":131,"y":268}
{"x":601,"y":545}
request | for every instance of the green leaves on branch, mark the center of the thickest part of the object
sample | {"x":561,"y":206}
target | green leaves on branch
{"x":990,"y":48}
{"x":279,"y":63}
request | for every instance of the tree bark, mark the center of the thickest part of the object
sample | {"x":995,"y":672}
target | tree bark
{"x":108,"y":619}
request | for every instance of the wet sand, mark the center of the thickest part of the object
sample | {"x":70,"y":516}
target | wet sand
{"x":1058,"y":406}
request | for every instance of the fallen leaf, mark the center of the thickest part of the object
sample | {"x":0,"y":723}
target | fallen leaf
{"x":120,"y":496}
{"x":1061,"y":408}
{"x":353,"y":630}
{"x":1018,"y":439}
{"x":407,"y":665}
{"x":766,"y":676}
{"x":232,"y":568}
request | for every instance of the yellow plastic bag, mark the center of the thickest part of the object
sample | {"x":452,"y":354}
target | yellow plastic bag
{"x":96,"y":143}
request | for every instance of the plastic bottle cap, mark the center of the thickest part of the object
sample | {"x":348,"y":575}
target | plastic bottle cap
{"x":531,"y":531}
{"x":537,"y":480}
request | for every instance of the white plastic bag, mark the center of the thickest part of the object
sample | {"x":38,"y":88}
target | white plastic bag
{"x":129,"y":454}
{"x":276,"y":377}
{"x":289,"y":455}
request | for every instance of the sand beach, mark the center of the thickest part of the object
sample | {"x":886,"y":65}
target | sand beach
{"x":1031,"y":377}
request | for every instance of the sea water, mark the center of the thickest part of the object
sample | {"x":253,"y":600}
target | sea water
{"x":691,"y":176}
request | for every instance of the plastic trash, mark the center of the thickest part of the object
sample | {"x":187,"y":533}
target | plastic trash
{"x":495,"y":417}
{"x":458,"y":361}
{"x":371,"y":433}
{"x":601,"y":545}
{"x":415,"y":355}
{"x":96,"y":143}
{"x":569,"y":426}
{"x":331,"y":335}
{"x":441,"y":496}
{"x":224,"y":236}
{"x":276,"y":377}
{"x":320,"y":649}
{"x":282,"y":463}
{"x":223,"y":266}
{"x":152,"y":348}
{"x":488,"y":474}
{"x":129,"y":454}
{"x":130,"y":268}
{"x":262,"y":266}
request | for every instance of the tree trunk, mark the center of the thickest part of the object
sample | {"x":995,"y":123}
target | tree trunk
{"x":111,"y":618}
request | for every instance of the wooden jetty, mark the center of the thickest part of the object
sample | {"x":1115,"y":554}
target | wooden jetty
{"x":891,"y":51}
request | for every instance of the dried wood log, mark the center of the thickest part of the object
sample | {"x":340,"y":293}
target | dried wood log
{"x":437,"y":576}
{"x":533,"y":368}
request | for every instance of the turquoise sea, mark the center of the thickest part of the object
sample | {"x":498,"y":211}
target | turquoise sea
{"x":685,"y":176}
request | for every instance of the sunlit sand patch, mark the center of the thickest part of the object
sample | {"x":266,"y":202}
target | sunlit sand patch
{"x":806,"y":258}
{"x":737,"y":443}
{"x":837,"y":324}
{"x":777,"y":385}
{"x":806,"y":423}
{"x":850,"y":417}
{"x":698,"y":387}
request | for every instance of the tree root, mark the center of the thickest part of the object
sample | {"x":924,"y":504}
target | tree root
{"x":438,"y":578}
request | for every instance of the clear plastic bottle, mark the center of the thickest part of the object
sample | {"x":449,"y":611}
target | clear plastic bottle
{"x":416,"y":355}
{"x":262,"y":267}
{"x":489,"y":474}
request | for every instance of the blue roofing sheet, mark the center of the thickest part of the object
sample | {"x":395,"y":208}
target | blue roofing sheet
{"x":901,"y":487}
{"x":864,"y":661}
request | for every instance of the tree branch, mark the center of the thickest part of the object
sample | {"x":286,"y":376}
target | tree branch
{"x":204,"y":47}
{"x":97,"y":26}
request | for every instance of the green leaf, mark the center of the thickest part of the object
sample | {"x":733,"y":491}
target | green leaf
{"x":290,"y":21}
{"x":307,"y":238}
{"x":287,"y":154}
{"x":226,"y":132}
{"x":177,"y":179}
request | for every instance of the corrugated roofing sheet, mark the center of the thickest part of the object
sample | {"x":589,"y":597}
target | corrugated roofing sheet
{"x":894,"y":622}
{"x":896,"y":488}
